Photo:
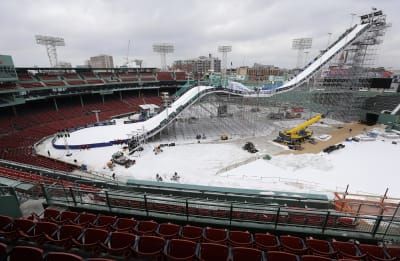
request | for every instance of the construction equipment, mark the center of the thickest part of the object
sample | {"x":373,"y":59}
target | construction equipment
{"x":299,"y":133}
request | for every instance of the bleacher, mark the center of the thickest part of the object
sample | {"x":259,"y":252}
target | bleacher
{"x":73,"y":235}
{"x":164,"y":76}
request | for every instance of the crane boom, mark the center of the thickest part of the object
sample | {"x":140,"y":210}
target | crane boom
{"x":298,"y":133}
{"x":304,"y":124}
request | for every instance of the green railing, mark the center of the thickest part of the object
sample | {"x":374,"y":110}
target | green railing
{"x":235,"y":214}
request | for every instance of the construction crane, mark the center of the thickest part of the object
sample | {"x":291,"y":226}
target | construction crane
{"x":298,"y":133}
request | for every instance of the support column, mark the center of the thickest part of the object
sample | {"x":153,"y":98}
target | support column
{"x":120,"y":95}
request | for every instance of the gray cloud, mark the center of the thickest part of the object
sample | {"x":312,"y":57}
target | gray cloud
{"x":259,"y":31}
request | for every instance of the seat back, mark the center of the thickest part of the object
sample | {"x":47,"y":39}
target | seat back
{"x":240,"y":238}
{"x":51,"y":214}
{"x":213,"y":252}
{"x":62,"y":256}
{"x":314,"y":258}
{"x":19,"y":253}
{"x":192,"y":233}
{"x":70,"y":231}
{"x":180,"y":249}
{"x":246,"y":254}
{"x":168,"y":230}
{"x":93,"y":235}
{"x":393,"y":251}
{"x":5,"y":222}
{"x":121,"y":240}
{"x":215,"y":235}
{"x":266,"y":242}
{"x":372,"y":251}
{"x":87,"y":218}
{"x":280,"y":256}
{"x":69,"y":216}
{"x":104,"y":220}
{"x":146,"y":227}
{"x":150,"y":245}
{"x":125,"y":224}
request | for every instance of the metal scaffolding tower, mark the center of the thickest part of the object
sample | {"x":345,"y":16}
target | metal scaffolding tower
{"x":224,"y":49}
{"x":50,"y":42}
{"x":335,"y":87}
{"x":300,"y":45}
{"x":163,"y":49}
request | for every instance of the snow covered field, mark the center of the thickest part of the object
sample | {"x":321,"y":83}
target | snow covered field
{"x":369,"y":167}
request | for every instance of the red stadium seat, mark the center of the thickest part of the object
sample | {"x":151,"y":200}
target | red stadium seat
{"x":146,"y":227}
{"x":21,"y":225}
{"x":6,"y":223}
{"x":393,"y":251}
{"x":62,"y":256}
{"x":149,"y":247}
{"x":91,"y":239}
{"x":3,"y":251}
{"x":120,"y":244}
{"x":213,"y":252}
{"x":281,"y":256}
{"x":86,"y":219}
{"x":320,"y":248}
{"x":315,"y":258}
{"x":104,"y":221}
{"x":68,"y":216}
{"x":125,"y":225}
{"x":347,"y":250}
{"x":215,"y":235}
{"x":19,"y":253}
{"x":374,"y":253}
{"x":192,"y":233}
{"x":168,"y":230}
{"x":180,"y":249}
{"x":246,"y":254}
{"x":294,"y":245}
{"x":64,"y":235}
{"x":38,"y":232}
{"x":240,"y":239}
{"x":266,"y":242}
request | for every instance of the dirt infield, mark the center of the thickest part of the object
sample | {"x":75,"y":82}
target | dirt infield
{"x":339,"y":135}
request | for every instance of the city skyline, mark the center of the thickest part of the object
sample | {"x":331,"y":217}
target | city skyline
{"x":258,"y":32}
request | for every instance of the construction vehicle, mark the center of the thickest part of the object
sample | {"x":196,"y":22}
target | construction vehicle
{"x":299,"y":133}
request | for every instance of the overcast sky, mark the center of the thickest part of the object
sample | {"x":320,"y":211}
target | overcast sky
{"x":258,"y":31}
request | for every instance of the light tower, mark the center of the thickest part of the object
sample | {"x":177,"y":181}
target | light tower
{"x":301,"y":44}
{"x":163,"y":49}
{"x":50,"y":42}
{"x":224,"y":49}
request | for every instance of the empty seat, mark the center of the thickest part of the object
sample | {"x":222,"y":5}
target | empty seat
{"x":315,"y":258}
{"x":64,"y":235}
{"x":393,"y":251}
{"x":124,"y":225}
{"x":213,"y":252}
{"x":192,"y":233}
{"x":49,"y":214}
{"x":38,"y":232}
{"x":62,"y":256}
{"x":119,"y":243}
{"x":246,"y":254}
{"x":281,"y":256}
{"x":86,"y":219}
{"x":266,"y":242}
{"x":168,"y":230}
{"x":149,"y":247}
{"x":347,"y":250}
{"x":68,"y":216}
{"x":320,"y":247}
{"x":292,"y":244}
{"x":240,"y":239}
{"x":21,"y":225}
{"x":146,"y":227}
{"x":374,"y":252}
{"x":180,"y":249}
{"x":104,"y":221}
{"x":19,"y":253}
{"x":91,"y":238}
{"x":215,"y":235}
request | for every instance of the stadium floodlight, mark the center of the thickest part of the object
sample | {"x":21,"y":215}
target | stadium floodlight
{"x":224,"y":49}
{"x":163,"y":49}
{"x":301,"y":44}
{"x":50,"y":42}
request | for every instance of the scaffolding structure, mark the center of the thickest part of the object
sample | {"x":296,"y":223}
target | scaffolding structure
{"x":336,"y":88}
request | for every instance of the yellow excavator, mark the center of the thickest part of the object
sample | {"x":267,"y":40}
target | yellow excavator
{"x":299,"y":133}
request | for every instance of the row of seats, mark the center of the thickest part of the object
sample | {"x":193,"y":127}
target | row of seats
{"x":68,"y":228}
{"x":19,"y":253}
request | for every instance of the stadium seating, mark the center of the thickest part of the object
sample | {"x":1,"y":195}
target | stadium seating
{"x":180,"y":249}
{"x":320,"y":247}
{"x":213,"y":252}
{"x":266,"y":242}
{"x":19,"y":253}
{"x":347,"y":250}
{"x":192,"y":233}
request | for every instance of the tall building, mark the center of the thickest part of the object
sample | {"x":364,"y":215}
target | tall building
{"x":101,"y":61}
{"x":199,"y":66}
